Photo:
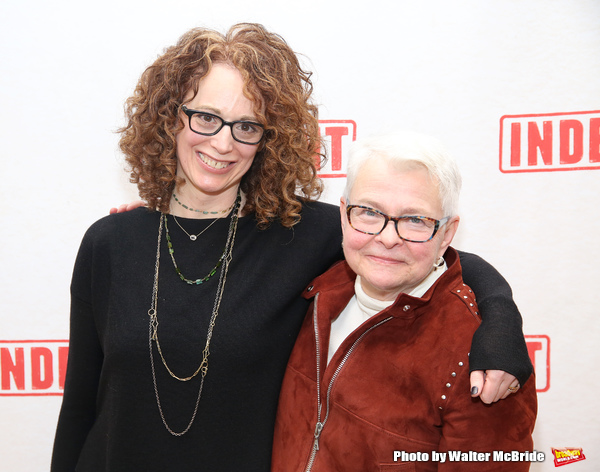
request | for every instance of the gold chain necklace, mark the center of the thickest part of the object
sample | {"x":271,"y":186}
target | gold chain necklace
{"x":153,"y":320}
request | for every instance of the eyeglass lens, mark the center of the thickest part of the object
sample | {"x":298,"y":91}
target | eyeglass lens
{"x":414,"y":228}
{"x":244,"y":131}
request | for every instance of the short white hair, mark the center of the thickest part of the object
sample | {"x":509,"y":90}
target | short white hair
{"x":408,"y":148}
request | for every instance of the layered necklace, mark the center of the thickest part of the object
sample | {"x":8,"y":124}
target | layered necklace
{"x":213,"y":271}
{"x":202,"y":369}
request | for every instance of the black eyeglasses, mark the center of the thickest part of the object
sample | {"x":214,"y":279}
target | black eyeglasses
{"x":415,"y":229}
{"x":207,"y":124}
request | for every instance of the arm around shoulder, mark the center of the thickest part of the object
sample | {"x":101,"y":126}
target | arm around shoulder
{"x":498,"y":344}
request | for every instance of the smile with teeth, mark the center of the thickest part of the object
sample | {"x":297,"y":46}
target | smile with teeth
{"x":212,"y":163}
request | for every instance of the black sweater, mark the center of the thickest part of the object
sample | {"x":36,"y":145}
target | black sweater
{"x":110,"y":421}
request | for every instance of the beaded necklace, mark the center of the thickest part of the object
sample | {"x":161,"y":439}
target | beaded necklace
{"x":213,"y":271}
{"x":153,"y":318}
{"x":204,"y":212}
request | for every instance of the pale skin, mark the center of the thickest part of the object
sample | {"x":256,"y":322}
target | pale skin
{"x":388,"y":265}
{"x":211,"y":167}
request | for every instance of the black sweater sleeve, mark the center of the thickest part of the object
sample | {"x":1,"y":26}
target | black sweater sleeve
{"x":499,"y":342}
{"x":84,"y":364}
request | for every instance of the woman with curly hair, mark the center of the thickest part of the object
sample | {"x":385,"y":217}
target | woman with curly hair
{"x":183,"y":314}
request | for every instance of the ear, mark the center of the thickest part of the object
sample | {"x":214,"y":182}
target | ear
{"x":343,"y":216}
{"x":449,"y":229}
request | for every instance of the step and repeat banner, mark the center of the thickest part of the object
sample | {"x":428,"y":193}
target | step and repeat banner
{"x":511,"y":87}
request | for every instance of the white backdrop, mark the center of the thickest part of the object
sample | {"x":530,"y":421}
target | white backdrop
{"x":451,"y":69}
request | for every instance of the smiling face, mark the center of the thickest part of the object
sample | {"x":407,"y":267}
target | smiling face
{"x":213,"y":166}
{"x":387,"y":264}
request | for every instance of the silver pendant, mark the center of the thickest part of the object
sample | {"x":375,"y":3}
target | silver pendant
{"x":192,"y":237}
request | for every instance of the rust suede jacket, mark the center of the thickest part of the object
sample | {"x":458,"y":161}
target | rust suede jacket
{"x":399,"y":383}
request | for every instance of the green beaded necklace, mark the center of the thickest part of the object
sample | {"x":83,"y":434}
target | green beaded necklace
{"x":204,"y":212}
{"x":234,"y":218}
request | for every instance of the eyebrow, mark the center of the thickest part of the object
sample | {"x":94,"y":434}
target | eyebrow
{"x":411,"y":211}
{"x":216,"y":111}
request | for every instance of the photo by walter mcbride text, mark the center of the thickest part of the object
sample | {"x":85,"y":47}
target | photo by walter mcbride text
{"x":470,"y":456}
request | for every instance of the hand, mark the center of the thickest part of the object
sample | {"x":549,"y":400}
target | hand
{"x":492,"y":385}
{"x":127,"y":207}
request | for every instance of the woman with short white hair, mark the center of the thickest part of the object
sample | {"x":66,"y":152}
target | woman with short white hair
{"x":389,"y":332}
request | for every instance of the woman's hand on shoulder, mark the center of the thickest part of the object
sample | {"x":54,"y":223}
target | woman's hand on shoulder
{"x":127,"y":207}
{"x":492,"y":385}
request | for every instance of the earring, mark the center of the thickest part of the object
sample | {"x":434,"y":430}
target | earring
{"x":439,"y":263}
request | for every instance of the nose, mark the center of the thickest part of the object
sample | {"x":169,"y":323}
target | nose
{"x":389,"y":236}
{"x":223,"y":141}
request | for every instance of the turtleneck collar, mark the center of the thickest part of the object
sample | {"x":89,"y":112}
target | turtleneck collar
{"x":371,"y":306}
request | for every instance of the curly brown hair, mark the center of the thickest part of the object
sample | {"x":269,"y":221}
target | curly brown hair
{"x":284,"y":171}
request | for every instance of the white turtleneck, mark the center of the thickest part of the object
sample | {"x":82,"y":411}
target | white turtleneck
{"x":361,"y":307}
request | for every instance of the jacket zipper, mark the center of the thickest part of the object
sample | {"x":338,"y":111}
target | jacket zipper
{"x":321,"y":424}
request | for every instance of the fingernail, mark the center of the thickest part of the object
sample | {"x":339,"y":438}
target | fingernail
{"x":474,"y":390}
